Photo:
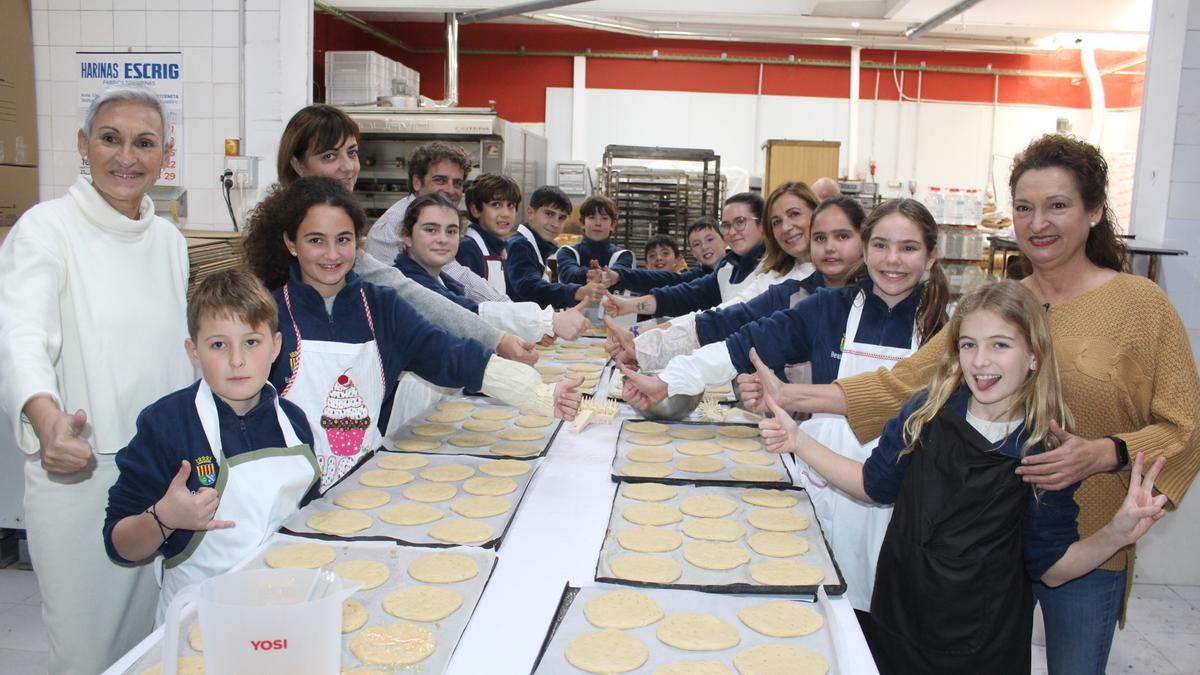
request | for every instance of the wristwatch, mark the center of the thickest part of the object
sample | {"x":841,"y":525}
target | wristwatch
{"x":1122,"y":452}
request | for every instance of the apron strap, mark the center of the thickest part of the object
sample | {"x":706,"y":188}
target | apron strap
{"x":371,"y":325}
{"x":206,"y":409}
{"x":287,"y":302}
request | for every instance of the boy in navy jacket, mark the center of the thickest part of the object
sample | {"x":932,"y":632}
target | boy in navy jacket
{"x":599,"y":216}
{"x":492,"y":202}
{"x":532,"y":245}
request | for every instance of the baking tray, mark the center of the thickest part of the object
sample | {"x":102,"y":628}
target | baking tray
{"x":445,"y":448}
{"x":722,"y":477}
{"x":448,"y":631}
{"x":736,"y":580}
{"x":569,"y":623}
{"x":414,"y":535}
{"x":563,"y":355}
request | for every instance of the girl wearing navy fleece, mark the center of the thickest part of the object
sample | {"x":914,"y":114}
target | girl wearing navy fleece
{"x":879,"y":320}
{"x":346,"y":342}
{"x":953,"y":591}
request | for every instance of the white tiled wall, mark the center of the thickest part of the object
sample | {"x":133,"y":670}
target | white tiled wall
{"x":206,"y":32}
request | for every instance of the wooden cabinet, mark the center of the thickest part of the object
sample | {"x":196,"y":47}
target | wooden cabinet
{"x":799,"y":160}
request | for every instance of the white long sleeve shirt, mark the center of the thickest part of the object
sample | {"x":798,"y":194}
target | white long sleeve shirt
{"x":92,"y":312}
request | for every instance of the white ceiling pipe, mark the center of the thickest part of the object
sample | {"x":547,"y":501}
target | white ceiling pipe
{"x":450,"y":99}
{"x":852,"y":144}
{"x":1087,"y":58}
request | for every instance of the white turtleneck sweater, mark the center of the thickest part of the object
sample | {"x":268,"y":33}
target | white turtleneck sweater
{"x":92,"y":312}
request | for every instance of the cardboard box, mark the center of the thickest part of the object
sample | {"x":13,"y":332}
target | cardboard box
{"x":18,"y":111}
{"x":18,"y":192}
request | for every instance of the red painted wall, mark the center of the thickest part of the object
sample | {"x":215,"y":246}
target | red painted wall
{"x":518,"y":84}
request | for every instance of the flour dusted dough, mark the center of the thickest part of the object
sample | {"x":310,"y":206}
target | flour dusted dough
{"x":447,"y":473}
{"x":411,"y":444}
{"x":397,"y":644}
{"x":706,"y":667}
{"x":460,"y":531}
{"x":443,"y":568}
{"x":515,"y":449}
{"x":646,"y":539}
{"x":640,"y":470}
{"x":707,"y":506}
{"x":700,"y":464}
{"x":371,"y":573}
{"x":648,"y":568}
{"x":777,"y":521}
{"x":650,"y":455}
{"x":786,"y":573}
{"x":423,"y":603}
{"x":502,"y":468}
{"x":354,"y":615}
{"x":622,"y":610}
{"x":484,"y":426}
{"x":757,"y":458}
{"x":490,"y":486}
{"x":385,"y":478}
{"x":648,"y":439}
{"x":401,"y":462}
{"x":471,"y":440}
{"x":521,"y":435}
{"x":775,"y":657}
{"x":362,"y":499}
{"x":775,"y":499}
{"x":410,"y":514}
{"x":648,"y":492}
{"x":433,"y":430}
{"x":535,"y":421}
{"x":339,"y":522}
{"x":718,"y":556}
{"x":756,"y":474}
{"x":778,"y":544}
{"x":446,"y":416}
{"x":698,"y":632}
{"x":430,"y":492}
{"x":184,"y":665}
{"x":606,"y":651}
{"x":652,"y":514}
{"x":493,"y":414}
{"x":781,"y":619}
{"x":480,"y":507}
{"x":456,"y":406}
{"x":714,"y":529}
{"x":300,"y":556}
{"x":195,"y":640}
{"x":699,"y":448}
{"x":691,"y":433}
{"x":646,"y":428}
{"x":737,"y":432}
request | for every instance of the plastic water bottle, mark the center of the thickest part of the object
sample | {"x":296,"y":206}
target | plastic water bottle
{"x":976,"y":203}
{"x":954,"y":204}
{"x":933,"y":202}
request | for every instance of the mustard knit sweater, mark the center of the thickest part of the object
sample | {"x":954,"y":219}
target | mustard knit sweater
{"x":1127,"y":370}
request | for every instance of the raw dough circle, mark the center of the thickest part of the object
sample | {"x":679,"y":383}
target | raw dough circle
{"x":707,"y":506}
{"x":433,"y":430}
{"x":551,"y":371}
{"x":718,"y":389}
{"x":521,"y":435}
{"x":195,"y":640}
{"x":371,"y":573}
{"x":410,"y":514}
{"x":699,"y":448}
{"x":423,"y":603}
{"x":430,"y":492}
{"x":777,"y":657}
{"x":706,"y":667}
{"x":446,"y":416}
{"x":649,"y":568}
{"x":755,"y":474}
{"x":572,"y":345}
{"x":691,"y":433}
{"x":385,"y":478}
{"x":777,"y":521}
{"x":184,"y":665}
{"x":737,"y":432}
{"x":646,"y":539}
{"x":411,"y":444}
{"x":484,"y":426}
{"x":714,"y":529}
{"x":778,"y":544}
{"x":786,"y":573}
{"x":646,"y":428}
{"x":480,"y":507}
{"x":652,"y":514}
{"x":648,"y":439}
{"x":397,"y":644}
{"x":650,"y":454}
{"x":781,"y":619}
{"x":739,"y":444}
{"x":443,"y":568}
{"x":515,"y":449}
{"x":300,"y":556}
{"x":757,"y":458}
{"x":585,"y":368}
{"x":456,"y":406}
{"x":460,"y":531}
{"x":490,"y":487}
{"x":775,"y":499}
{"x":392,"y":461}
{"x":471,"y":440}
{"x":493,"y":414}
{"x":698,"y":632}
{"x":535,"y":421}
{"x":354,"y":615}
{"x":715,"y":556}
{"x":362,"y":499}
{"x":622,"y":610}
{"x":700,"y":464}
{"x":502,"y":467}
{"x":339,"y":522}
{"x":606,"y":651}
{"x":447,"y":473}
{"x":648,"y":492}
{"x":640,"y":470}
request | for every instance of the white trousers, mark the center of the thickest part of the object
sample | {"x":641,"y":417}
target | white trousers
{"x":94,"y":609}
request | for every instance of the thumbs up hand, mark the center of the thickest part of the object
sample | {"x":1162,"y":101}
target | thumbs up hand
{"x":182,"y":509}
{"x":64,"y":448}
{"x":569,"y":324}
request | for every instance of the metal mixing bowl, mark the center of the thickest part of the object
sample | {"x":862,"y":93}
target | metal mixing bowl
{"x":674,"y":407}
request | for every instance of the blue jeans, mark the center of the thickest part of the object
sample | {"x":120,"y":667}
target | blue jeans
{"x":1081,"y":616}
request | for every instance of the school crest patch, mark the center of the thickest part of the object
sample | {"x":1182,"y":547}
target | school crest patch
{"x":206,"y":471}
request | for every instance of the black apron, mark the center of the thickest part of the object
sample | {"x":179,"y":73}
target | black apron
{"x":951,"y":593}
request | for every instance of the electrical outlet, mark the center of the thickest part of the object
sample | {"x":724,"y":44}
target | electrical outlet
{"x":245,"y":171}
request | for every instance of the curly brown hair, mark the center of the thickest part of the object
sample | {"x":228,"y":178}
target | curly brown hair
{"x":1086,"y":164}
{"x":281,"y":212}
{"x":776,"y":259}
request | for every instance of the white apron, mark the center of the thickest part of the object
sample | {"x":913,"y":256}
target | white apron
{"x":525,"y":232}
{"x":493,"y":265}
{"x":854,"y":529}
{"x":595,"y":313}
{"x":259,"y":490}
{"x":340,"y":387}
{"x":729,"y":290}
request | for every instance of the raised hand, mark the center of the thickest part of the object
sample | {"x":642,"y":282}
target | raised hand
{"x":609,"y":277}
{"x":514,"y":348}
{"x":619,"y":344}
{"x":567,"y":398}
{"x":778,"y":430}
{"x":1141,"y":508}
{"x":182,"y":509}
{"x":754,"y":387}
{"x":569,"y":324}
{"x":641,"y":391}
{"x":615,"y":305}
{"x":64,"y":450}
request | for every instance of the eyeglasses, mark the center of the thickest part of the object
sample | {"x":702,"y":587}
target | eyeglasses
{"x":738,"y":223}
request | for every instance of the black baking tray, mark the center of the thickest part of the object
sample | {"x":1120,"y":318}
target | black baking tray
{"x":787,"y":483}
{"x":564,"y":603}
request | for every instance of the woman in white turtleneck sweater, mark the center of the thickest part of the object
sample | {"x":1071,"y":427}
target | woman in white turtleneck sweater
{"x":92,"y":323}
